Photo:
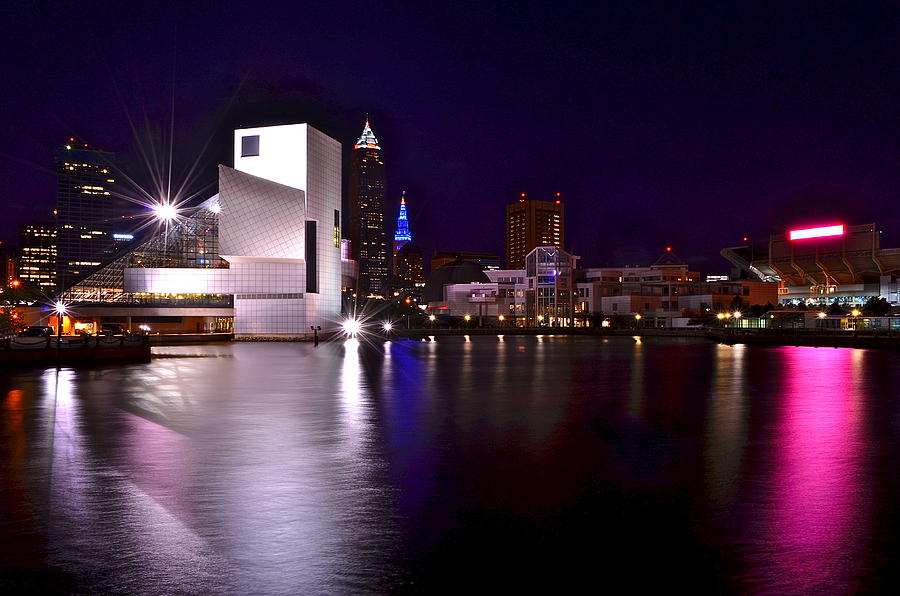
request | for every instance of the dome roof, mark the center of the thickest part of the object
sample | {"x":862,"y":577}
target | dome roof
{"x":456,"y":272}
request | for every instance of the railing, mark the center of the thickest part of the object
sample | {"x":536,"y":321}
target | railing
{"x":68,"y":342}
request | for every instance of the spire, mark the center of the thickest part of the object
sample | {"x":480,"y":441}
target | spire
{"x":402,"y":234}
{"x":367,"y":139}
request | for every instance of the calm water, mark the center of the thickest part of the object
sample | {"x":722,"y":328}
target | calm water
{"x":427,"y":467}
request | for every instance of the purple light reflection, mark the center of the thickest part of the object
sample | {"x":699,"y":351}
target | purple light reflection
{"x":816,"y":520}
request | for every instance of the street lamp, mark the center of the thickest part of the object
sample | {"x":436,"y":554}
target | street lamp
{"x":60,"y":313}
{"x":315,"y":330}
{"x":501,"y":318}
{"x":165,"y":211}
{"x":351,"y":327}
{"x":387,"y":326}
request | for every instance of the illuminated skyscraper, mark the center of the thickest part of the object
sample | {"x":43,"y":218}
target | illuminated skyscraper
{"x":85,"y":208}
{"x":37,"y":256}
{"x":402,"y":235}
{"x":409,"y":265}
{"x":530,"y":224}
{"x":367,"y":220}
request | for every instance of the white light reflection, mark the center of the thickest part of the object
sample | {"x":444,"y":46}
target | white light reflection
{"x":351,"y":388}
{"x":726,"y":422}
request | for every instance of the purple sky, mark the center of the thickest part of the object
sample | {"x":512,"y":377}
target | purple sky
{"x":688,"y":127}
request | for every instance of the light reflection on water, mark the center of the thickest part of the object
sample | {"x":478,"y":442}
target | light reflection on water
{"x":355,"y":468}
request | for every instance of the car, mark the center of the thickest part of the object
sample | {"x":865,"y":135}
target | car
{"x":37,"y":331}
{"x":111,"y":329}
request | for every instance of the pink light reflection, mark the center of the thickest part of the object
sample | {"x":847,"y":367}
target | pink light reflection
{"x":816,"y":526}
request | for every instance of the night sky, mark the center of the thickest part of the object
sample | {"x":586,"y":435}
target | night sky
{"x":660,"y":125}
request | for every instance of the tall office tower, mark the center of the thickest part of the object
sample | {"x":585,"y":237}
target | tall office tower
{"x":85,"y":210}
{"x":367,"y":229}
{"x":529,"y":224}
{"x":402,"y":235}
{"x":409,"y":264}
{"x":37,"y":256}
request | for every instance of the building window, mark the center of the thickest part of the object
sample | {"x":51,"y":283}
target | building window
{"x":250,"y":146}
{"x":337,"y":228}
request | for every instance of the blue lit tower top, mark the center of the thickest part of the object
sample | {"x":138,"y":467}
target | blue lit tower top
{"x":402,"y":233}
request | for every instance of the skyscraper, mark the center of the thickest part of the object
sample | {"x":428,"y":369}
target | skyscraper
{"x":367,"y":219}
{"x":409,"y":265}
{"x":37,"y":256}
{"x":402,"y":235}
{"x":530,"y":224}
{"x":85,"y":210}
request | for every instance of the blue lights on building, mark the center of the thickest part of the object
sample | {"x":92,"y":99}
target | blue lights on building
{"x":402,"y":234}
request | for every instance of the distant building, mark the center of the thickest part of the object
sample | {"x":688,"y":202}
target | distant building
{"x":38,"y":256}
{"x":817,"y":266}
{"x":367,"y":214}
{"x":550,"y":299}
{"x":408,"y":262}
{"x":7,"y":265}
{"x":487,"y":261}
{"x":86,"y":210}
{"x":402,"y":234}
{"x":530,"y":224}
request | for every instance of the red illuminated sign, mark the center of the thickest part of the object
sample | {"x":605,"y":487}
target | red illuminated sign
{"x":820,"y":232}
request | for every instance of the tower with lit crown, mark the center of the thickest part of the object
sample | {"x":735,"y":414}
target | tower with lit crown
{"x":367,"y":214}
{"x":402,"y":235}
{"x":409,"y":270}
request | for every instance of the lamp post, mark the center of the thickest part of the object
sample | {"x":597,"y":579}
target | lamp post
{"x":637,"y":319}
{"x":315,"y":330}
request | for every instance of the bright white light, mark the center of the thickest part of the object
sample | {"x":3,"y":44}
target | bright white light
{"x":388,"y":326}
{"x":351,"y":327}
{"x":737,"y":314}
{"x":431,"y":318}
{"x":215,"y":208}
{"x":165,"y":212}
{"x":60,"y":308}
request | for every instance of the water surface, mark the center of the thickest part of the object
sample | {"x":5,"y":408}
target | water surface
{"x":424,"y":467}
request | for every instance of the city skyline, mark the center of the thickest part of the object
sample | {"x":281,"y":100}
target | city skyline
{"x":724,"y":135}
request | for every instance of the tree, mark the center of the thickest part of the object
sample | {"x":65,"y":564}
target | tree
{"x":877,"y":307}
{"x":835,"y":309}
{"x":737,"y":303}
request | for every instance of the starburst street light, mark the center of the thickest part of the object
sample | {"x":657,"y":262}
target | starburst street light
{"x":165,"y":211}
{"x":387,"y":326}
{"x":351,"y":327}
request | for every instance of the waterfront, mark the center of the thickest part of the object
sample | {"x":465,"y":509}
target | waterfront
{"x":407,"y":466}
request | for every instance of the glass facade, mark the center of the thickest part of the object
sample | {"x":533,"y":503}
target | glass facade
{"x":192,"y":243}
{"x":550,"y":300}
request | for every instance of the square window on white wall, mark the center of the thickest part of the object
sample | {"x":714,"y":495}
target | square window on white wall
{"x":250,"y":146}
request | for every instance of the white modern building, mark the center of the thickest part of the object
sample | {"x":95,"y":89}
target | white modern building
{"x":279,"y":235}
